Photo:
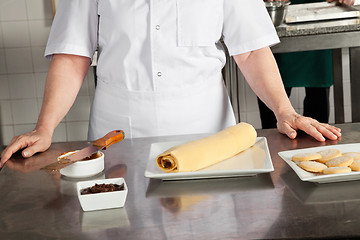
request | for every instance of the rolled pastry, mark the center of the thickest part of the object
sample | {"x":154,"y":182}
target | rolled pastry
{"x":207,"y":151}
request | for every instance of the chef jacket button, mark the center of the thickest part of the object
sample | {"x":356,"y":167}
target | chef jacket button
{"x":157,"y":27}
{"x":159,"y":74}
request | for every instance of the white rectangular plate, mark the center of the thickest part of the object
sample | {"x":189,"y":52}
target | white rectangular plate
{"x":318,"y":177}
{"x":319,"y":11}
{"x":248,"y":163}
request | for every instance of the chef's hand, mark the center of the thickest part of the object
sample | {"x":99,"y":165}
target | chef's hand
{"x":35,"y":141}
{"x":36,"y":162}
{"x":289,"y":124}
{"x":347,"y":2}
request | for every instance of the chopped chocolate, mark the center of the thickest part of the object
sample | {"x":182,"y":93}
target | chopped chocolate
{"x":99,"y":188}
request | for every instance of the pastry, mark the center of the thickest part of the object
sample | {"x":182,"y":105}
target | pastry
{"x":312,"y":166}
{"x":207,"y":151}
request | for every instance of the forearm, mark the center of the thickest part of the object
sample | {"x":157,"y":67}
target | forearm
{"x":261,"y":72}
{"x":65,"y":77}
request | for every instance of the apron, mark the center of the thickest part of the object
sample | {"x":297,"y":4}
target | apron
{"x":201,"y":109}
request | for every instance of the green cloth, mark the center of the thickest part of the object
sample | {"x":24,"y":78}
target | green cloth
{"x":306,"y":69}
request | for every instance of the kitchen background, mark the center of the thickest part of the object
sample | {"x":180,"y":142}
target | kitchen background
{"x":24,"y":28}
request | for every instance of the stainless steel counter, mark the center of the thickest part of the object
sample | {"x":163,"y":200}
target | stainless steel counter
{"x":37,"y":205}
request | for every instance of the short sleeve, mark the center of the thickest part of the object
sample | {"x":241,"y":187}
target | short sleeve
{"x":74,"y":29}
{"x":247,"y":26}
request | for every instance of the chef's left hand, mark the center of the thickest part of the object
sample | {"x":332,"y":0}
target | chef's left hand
{"x":261,"y":72}
{"x":289,"y":124}
{"x":347,"y":2}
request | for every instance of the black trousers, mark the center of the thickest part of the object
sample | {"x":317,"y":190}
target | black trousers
{"x":316,"y":105}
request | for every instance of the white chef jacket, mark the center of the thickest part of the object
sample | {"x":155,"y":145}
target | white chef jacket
{"x":159,"y":61}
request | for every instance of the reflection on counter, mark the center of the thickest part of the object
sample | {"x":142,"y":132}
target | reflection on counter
{"x":158,"y":188}
{"x":182,"y":196}
{"x":181,"y":204}
{"x":312,"y":193}
{"x":116,"y":171}
{"x":104,"y":219}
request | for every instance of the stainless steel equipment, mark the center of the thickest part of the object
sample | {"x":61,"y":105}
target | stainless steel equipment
{"x":277,"y":11}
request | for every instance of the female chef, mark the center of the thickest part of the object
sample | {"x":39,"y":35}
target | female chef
{"x":159,"y":68}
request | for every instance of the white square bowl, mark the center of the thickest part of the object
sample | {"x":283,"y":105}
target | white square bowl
{"x":105,"y":200}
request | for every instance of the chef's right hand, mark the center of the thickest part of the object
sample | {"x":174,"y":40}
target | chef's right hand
{"x":38,"y":140}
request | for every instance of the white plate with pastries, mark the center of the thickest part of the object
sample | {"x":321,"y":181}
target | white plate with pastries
{"x":250,"y":162}
{"x":320,"y":177}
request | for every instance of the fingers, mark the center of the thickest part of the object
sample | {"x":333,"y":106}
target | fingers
{"x":4,"y":157}
{"x":329,"y":131}
{"x":32,"y":143}
{"x":312,"y":130}
{"x":302,"y":123}
{"x":287,"y":130}
{"x":319,"y":131}
{"x":38,"y":146}
{"x":16,"y":144}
